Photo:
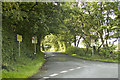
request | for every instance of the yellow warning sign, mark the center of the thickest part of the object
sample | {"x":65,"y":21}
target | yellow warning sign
{"x":19,"y":37}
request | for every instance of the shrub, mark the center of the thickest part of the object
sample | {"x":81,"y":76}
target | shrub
{"x":78,"y":51}
{"x":108,"y":52}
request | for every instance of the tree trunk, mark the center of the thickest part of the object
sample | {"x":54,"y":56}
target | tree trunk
{"x":113,"y":43}
{"x":78,"y":41}
{"x":102,"y":40}
{"x":87,"y":43}
{"x":86,"y":50}
{"x":64,"y":46}
{"x":43,"y":47}
{"x":107,"y":29}
{"x":107,"y":36}
{"x":38,"y":45}
{"x":74,"y":40}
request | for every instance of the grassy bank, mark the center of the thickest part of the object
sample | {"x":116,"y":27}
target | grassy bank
{"x":96,"y":58}
{"x":23,"y":69}
{"x":14,"y":66}
{"x":80,"y":53}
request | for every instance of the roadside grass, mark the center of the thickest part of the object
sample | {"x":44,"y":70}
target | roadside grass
{"x":14,"y":66}
{"x":105,"y":55}
{"x":95,"y":58}
{"x":24,"y":69}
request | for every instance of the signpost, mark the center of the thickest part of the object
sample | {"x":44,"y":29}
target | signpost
{"x":119,"y":40}
{"x":19,"y":38}
{"x":34,"y":41}
{"x":118,"y":44}
{"x":93,"y":45}
{"x":93,"y":41}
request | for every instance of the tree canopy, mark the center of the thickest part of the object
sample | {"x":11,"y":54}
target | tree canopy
{"x":98,"y":21}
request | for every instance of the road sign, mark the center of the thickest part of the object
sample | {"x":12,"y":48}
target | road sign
{"x":34,"y":39}
{"x":19,"y":37}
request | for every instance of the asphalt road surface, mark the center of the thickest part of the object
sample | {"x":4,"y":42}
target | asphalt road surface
{"x":60,"y":65}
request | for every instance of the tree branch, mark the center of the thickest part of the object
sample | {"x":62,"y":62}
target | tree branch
{"x":113,"y":43}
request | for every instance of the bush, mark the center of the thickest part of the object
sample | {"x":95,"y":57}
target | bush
{"x":78,"y":51}
{"x":108,"y":52}
{"x":14,"y":66}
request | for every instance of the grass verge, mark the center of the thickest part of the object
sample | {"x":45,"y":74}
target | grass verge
{"x":23,"y":68}
{"x":95,"y":58}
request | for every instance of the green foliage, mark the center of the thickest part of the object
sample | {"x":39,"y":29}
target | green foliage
{"x":78,"y":51}
{"x":65,"y":21}
{"x":10,"y":47}
{"x":23,"y":69}
{"x":14,"y":66}
{"x":109,"y":52}
{"x":73,"y":50}
{"x":53,"y":41}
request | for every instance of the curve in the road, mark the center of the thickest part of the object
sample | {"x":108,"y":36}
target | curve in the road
{"x":60,"y":65}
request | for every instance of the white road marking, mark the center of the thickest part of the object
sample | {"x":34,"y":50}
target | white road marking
{"x":78,"y":67}
{"x":71,"y":69}
{"x":46,"y":77}
{"x":63,"y":71}
{"x":53,"y":75}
